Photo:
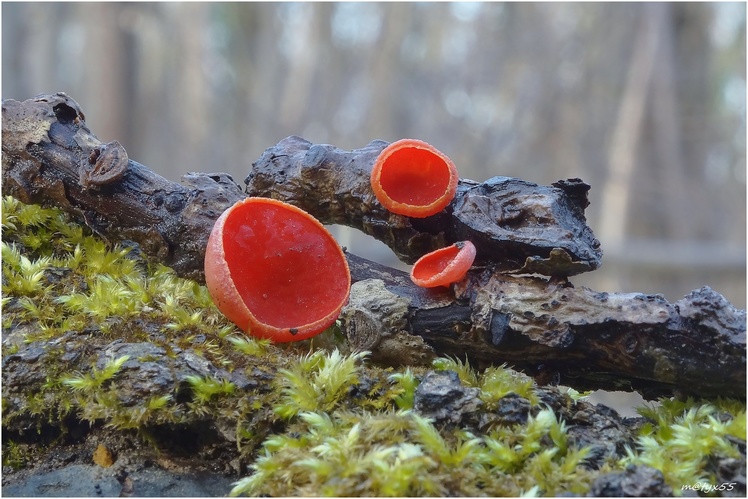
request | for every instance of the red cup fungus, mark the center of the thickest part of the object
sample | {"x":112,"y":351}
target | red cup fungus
{"x":443,"y":266}
{"x":275,"y":271}
{"x":413,"y":178}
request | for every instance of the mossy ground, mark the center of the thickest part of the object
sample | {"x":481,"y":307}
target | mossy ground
{"x":306,"y":418}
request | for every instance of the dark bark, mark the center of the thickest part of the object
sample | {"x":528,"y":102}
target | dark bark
{"x":548,"y":327}
{"x":48,"y":153}
{"x":516,"y":225}
{"x":557,"y":332}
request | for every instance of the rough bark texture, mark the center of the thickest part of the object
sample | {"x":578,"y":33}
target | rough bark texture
{"x":555,"y":331}
{"x":579,"y":337}
{"x":48,"y":153}
{"x":514,"y":224}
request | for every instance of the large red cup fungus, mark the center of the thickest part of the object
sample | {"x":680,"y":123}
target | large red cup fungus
{"x":443,"y":266}
{"x":275,"y":271}
{"x":413,"y":178}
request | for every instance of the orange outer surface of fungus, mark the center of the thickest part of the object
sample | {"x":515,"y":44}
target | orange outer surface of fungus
{"x":443,"y":266}
{"x":413,"y":178}
{"x":275,"y":271}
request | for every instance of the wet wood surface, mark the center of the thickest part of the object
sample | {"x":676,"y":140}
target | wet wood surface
{"x":515,"y":225}
{"x":500,"y":313}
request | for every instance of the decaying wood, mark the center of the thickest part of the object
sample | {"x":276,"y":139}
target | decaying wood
{"x":516,"y":225}
{"x":555,"y":331}
{"x":545,"y":326}
{"x":51,"y":157}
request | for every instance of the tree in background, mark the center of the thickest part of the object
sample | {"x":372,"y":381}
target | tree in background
{"x":646,"y":102}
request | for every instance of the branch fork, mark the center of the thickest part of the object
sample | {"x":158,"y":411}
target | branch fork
{"x":515,"y":306}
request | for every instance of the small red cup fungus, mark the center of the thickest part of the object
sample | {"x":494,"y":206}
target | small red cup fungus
{"x":275,"y":271}
{"x":443,"y":266}
{"x":413,"y":178}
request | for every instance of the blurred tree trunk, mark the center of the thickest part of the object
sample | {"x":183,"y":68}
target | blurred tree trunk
{"x":384,"y":71}
{"x":254,"y":30}
{"x":626,"y":139}
{"x":302,"y":58}
{"x":36,"y":32}
{"x":190,"y":79}
{"x":106,"y":74}
{"x":665,"y":123}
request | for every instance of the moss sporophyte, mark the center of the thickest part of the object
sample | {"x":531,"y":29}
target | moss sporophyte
{"x":93,"y":332}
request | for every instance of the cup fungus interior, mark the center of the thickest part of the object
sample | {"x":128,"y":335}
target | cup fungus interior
{"x":444,"y":266}
{"x":412,"y":178}
{"x":289,"y":273}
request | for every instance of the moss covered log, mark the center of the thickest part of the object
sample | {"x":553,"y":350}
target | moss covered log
{"x":311,"y":418}
{"x":579,"y":337}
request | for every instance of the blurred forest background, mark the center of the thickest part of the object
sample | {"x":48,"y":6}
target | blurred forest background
{"x":644,"y":101}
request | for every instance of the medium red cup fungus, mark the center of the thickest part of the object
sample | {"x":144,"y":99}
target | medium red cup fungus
{"x":275,"y":271}
{"x":413,"y":178}
{"x":443,"y":266}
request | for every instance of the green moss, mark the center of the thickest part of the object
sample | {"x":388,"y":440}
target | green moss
{"x":317,"y":382}
{"x":405,"y":391}
{"x":59,"y":279}
{"x":312,"y":419}
{"x":399,"y":453}
{"x":250,"y":346}
{"x":494,"y":383}
{"x":63,"y":278}
{"x":683,"y":438}
{"x":89,"y":383}
{"x":204,"y":389}
{"x":15,"y":455}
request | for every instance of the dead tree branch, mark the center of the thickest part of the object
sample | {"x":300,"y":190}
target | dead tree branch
{"x":548,"y":327}
{"x":515,"y":225}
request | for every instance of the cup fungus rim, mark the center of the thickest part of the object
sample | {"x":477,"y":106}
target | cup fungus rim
{"x":413,"y":210}
{"x":452,"y":272}
{"x":226,"y":296}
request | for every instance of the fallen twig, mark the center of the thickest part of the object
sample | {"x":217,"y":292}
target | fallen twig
{"x":546,"y":326}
